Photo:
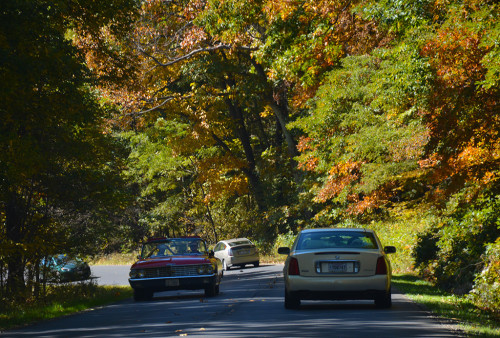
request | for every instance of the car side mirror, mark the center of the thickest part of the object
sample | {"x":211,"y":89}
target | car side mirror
{"x":211,"y":254}
{"x":284,"y":251}
{"x":389,"y":249}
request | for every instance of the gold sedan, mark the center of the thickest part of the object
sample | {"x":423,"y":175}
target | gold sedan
{"x":337,"y":264}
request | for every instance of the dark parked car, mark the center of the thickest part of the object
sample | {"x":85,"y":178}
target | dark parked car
{"x":175,"y":264}
{"x":62,"y":268}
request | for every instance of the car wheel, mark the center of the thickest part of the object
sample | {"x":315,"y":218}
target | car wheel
{"x":225,"y":267}
{"x":384,"y":301}
{"x":87,"y":274}
{"x":141,"y":295}
{"x":256,"y":264}
{"x":291,"y":301}
{"x":212,"y":290}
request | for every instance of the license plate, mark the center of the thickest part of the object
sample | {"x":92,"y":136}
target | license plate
{"x":243,"y":252}
{"x":337,"y":267}
{"x":171,"y":282}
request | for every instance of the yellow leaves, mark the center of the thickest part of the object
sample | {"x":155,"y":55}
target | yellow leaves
{"x":475,"y":156}
{"x":409,"y":148}
{"x":344,"y":168}
{"x":472,"y":155}
{"x":489,"y":177}
{"x":218,"y":175}
{"x":285,"y":9}
{"x":282,"y":9}
{"x":266,"y":112}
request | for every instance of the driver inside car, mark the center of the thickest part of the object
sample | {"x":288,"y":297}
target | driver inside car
{"x":193,"y":247}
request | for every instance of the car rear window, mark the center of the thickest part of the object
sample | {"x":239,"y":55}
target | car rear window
{"x":239,"y":243}
{"x":337,"y":239}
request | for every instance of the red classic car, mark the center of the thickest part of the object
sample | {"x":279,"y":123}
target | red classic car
{"x":175,"y":264}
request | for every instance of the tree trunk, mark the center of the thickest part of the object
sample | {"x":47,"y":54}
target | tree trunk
{"x":250,"y":172}
{"x":280,"y":111}
{"x":14,"y":224}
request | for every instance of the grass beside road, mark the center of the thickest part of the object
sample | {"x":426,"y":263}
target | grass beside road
{"x":117,"y":259}
{"x":61,"y":300}
{"x":472,"y":320}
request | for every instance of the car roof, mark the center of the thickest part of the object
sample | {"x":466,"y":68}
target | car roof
{"x":336,"y":229}
{"x":235,"y":240}
{"x":164,"y":239}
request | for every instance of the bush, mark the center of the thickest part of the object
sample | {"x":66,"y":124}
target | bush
{"x":486,"y":291}
{"x":450,"y":252}
{"x":283,"y":240}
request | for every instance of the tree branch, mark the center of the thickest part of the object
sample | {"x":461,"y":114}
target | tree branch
{"x":195,"y":52}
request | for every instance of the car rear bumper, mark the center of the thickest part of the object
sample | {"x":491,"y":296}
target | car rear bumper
{"x":236,"y":260}
{"x":167,"y":284}
{"x":338,"y":287}
{"x":339,"y":295}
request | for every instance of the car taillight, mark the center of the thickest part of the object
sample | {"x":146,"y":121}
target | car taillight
{"x":293,"y":267}
{"x":230,"y":252}
{"x":381,"y":266}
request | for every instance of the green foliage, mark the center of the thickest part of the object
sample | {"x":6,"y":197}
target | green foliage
{"x":165,"y":180}
{"x":451,"y":251}
{"x":486,"y":290}
{"x":366,"y":113}
{"x":59,"y":182}
{"x":426,"y":249}
{"x":394,"y":102}
{"x":402,"y":229}
{"x":488,"y":20}
{"x":398,"y":15}
{"x":283,"y":240}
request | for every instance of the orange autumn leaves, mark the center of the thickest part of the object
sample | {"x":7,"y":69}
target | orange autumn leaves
{"x":456,"y":55}
{"x":460,"y":144}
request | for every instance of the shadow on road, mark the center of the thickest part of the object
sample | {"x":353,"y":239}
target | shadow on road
{"x":251,"y":304}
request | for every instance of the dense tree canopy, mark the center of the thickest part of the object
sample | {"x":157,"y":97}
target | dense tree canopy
{"x":307,"y":113}
{"x":57,"y":167}
{"x":257,"y":118}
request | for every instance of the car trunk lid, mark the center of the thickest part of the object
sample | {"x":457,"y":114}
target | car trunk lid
{"x":243,"y":250}
{"x":345,"y":262}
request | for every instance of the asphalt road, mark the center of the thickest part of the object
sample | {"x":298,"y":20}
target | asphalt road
{"x":250,"y":305}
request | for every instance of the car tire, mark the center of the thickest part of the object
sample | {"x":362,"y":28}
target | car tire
{"x":384,"y":301}
{"x":291,"y":300}
{"x":87,"y":274}
{"x":212,"y":290}
{"x":225,"y":267}
{"x":256,"y":264}
{"x":142,"y":295}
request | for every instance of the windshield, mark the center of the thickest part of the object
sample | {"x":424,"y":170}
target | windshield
{"x":336,"y":239}
{"x":174,"y":247}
